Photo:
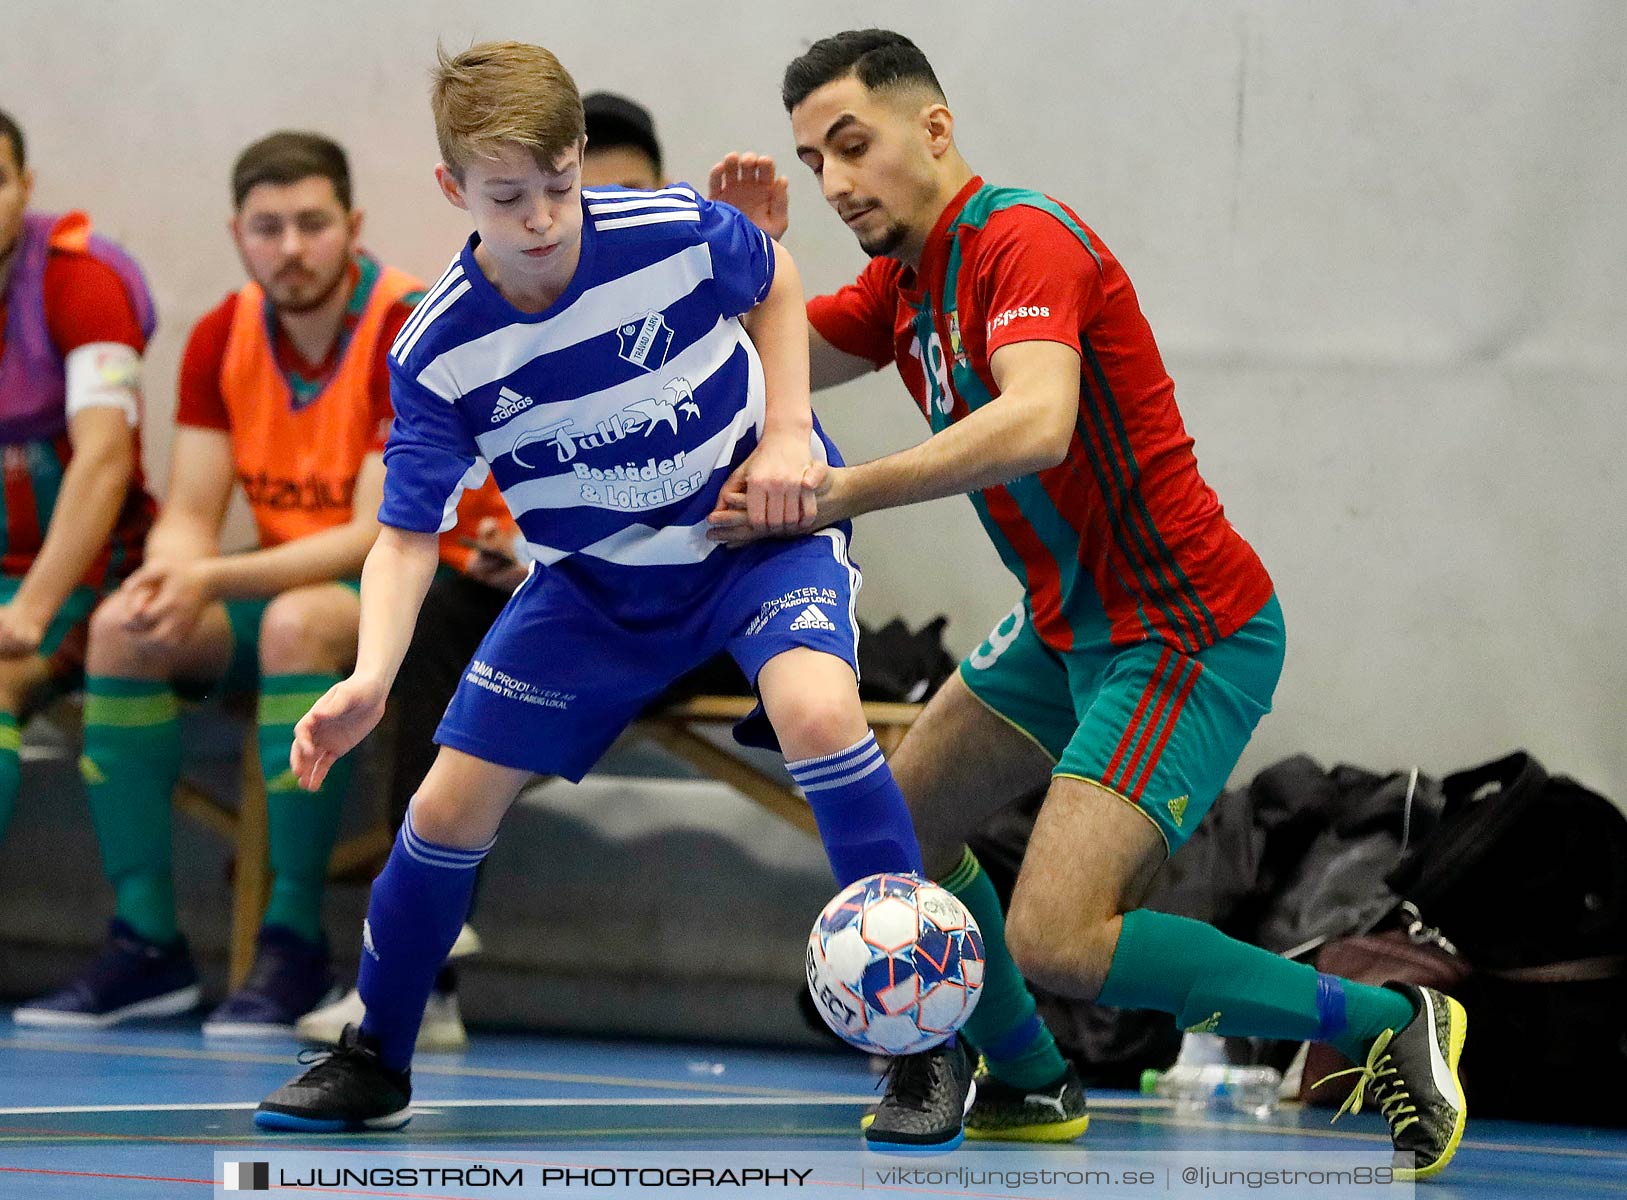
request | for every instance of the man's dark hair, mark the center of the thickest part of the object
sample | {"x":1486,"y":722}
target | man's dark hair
{"x":10,"y":130}
{"x":288,"y":157}
{"x":614,"y":120}
{"x":879,"y":57}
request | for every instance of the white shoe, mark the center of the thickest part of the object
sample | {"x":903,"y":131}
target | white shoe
{"x":325,"y":1024}
{"x":467,"y":945}
{"x":442,"y":1031}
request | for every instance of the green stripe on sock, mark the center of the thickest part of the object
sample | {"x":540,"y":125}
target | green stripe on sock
{"x":132,"y":759}
{"x":130,"y":712}
{"x":11,"y":777}
{"x":303,"y":825}
{"x":965,"y":871}
{"x":1005,"y":1002}
{"x":284,"y":699}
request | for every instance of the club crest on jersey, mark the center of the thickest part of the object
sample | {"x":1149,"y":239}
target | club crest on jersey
{"x":645,"y":341}
{"x":956,"y":350}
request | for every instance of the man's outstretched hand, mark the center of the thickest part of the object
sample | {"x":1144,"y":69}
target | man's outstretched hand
{"x":748,"y":182}
{"x":732,"y":523}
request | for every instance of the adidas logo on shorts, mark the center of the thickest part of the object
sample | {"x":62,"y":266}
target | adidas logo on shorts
{"x":812,"y":618}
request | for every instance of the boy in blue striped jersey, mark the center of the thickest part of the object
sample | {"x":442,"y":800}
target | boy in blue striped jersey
{"x":617,"y":360}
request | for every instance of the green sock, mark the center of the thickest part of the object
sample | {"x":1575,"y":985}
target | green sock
{"x":131,"y":761}
{"x":11,"y":775}
{"x":1004,"y":1027}
{"x":303,"y":825}
{"x":1369,"y":1011}
{"x":1214,"y":983}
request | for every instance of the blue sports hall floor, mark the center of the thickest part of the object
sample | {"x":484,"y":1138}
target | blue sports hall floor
{"x":142,"y":1112}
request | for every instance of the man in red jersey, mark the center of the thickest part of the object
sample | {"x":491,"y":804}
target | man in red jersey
{"x":75,"y":316}
{"x":1148,"y":641}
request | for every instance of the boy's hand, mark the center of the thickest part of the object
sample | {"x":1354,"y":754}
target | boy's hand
{"x":336,"y":724}
{"x":777,"y":504}
{"x":748,"y":182}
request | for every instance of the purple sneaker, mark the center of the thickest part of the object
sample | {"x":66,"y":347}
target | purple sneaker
{"x":290,"y":977}
{"x":131,"y":978}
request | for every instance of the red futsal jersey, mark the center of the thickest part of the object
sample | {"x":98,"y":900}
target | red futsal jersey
{"x":1123,"y":532}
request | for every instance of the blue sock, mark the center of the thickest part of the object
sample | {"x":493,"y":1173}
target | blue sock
{"x":418,"y":904}
{"x":860,"y":812}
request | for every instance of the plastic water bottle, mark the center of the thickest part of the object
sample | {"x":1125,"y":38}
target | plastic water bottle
{"x":1197,"y":1088}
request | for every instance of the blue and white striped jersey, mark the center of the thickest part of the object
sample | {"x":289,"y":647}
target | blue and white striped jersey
{"x":610,"y":420}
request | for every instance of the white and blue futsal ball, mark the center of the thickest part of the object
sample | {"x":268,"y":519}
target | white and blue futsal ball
{"x":895,"y":964}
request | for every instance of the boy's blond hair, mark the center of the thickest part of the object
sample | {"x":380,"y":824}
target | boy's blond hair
{"x":497,"y":92}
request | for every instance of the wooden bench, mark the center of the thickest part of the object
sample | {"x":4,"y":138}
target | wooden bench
{"x":242,"y":824}
{"x":679,"y":729}
{"x":245,"y":825}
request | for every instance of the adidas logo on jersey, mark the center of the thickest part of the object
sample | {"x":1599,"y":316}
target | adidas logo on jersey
{"x":508,"y":403}
{"x":812,"y":618}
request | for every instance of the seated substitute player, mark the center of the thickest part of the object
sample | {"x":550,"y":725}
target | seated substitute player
{"x":75,"y":316}
{"x":284,"y":387}
{"x":617,"y":358}
{"x":471,"y":589}
{"x":1148,"y":641}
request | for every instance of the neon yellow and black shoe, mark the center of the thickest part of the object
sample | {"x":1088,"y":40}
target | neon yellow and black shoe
{"x":1056,"y":1112}
{"x":1413,"y":1078}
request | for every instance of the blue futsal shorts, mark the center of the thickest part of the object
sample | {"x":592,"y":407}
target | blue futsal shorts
{"x":557,"y":679}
